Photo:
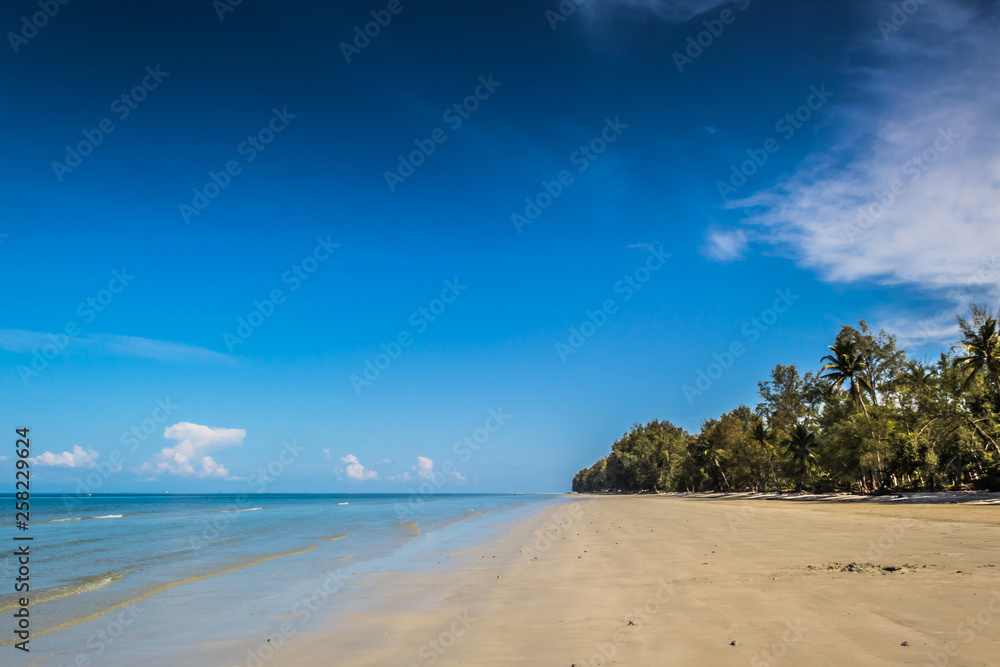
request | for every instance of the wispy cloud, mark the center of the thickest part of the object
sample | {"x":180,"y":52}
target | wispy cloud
{"x":78,"y":458}
{"x":673,"y":11}
{"x":188,"y":457}
{"x":910,"y":193}
{"x":28,"y":342}
{"x":915,"y":331}
{"x":725,"y":245}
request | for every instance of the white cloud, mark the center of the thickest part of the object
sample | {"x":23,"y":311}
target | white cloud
{"x":425,"y":468}
{"x":78,"y":458}
{"x":188,"y":456}
{"x":914,"y":331}
{"x":27,"y":342}
{"x":327,"y":454}
{"x":383,"y":462}
{"x":725,"y":245}
{"x":925,"y":120}
{"x":404,"y":477}
{"x":357,"y":471}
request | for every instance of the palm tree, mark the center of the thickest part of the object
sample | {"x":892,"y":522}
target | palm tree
{"x":711,"y":451}
{"x":762,"y":435}
{"x":802,"y":445}
{"x":920,"y":379}
{"x":846,"y":364}
{"x":981,"y":343}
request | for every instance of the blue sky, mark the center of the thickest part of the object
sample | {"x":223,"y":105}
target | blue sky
{"x":583,"y":213}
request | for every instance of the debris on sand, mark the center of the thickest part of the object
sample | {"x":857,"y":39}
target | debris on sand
{"x":864,"y":567}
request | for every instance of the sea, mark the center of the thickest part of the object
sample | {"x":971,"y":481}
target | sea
{"x":156,"y":579}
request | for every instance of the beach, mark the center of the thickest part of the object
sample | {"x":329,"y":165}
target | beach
{"x":691,"y":580}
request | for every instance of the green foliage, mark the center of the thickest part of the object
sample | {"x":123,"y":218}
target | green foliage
{"x":871,"y":420}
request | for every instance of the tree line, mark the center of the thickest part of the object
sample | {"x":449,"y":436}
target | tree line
{"x":870,"y":420}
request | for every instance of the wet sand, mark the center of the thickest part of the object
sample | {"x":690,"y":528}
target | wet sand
{"x":693,"y":580}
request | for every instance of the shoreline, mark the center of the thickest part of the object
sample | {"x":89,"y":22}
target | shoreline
{"x":175,"y":614}
{"x":651,"y":579}
{"x":906,"y":497}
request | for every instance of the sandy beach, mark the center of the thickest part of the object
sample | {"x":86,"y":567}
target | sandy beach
{"x":654,"y":580}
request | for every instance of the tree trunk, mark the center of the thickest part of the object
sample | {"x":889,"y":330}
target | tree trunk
{"x":770,"y":463}
{"x":723,"y":475}
{"x":878,"y":455}
{"x":996,"y":379}
{"x":982,"y":432}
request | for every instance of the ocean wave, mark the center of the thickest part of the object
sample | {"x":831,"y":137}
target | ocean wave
{"x":159,"y":589}
{"x":249,"y":509}
{"x":81,"y":518}
{"x":84,"y":585}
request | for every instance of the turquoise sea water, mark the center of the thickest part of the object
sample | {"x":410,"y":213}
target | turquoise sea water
{"x":117,"y":579}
